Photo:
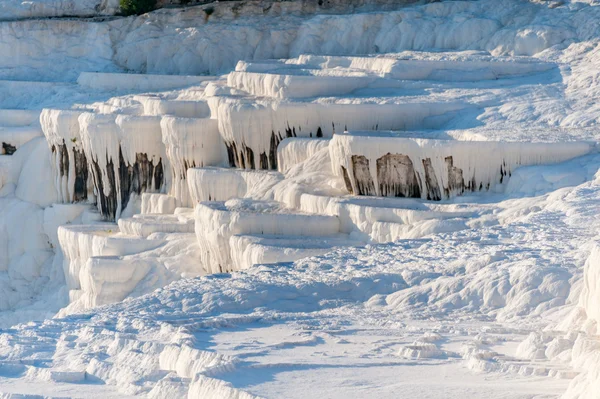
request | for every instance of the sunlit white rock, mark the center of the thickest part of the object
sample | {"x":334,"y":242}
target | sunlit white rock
{"x":190,"y":143}
{"x":387,"y":164}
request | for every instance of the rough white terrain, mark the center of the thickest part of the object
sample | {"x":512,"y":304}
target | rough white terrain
{"x":257,"y":199}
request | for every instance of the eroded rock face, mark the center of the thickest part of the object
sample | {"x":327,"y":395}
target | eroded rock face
{"x":145,"y":176}
{"x":80,"y":167}
{"x":272,"y":157}
{"x":362,"y":176}
{"x":241,"y":156}
{"x":396,"y":177}
{"x":81,"y":176}
{"x":347,"y":180}
{"x":456,"y":182}
{"x":431,"y":182}
{"x":63,"y":158}
{"x":113,"y":194}
{"x":390,"y":165}
{"x":106,"y":197}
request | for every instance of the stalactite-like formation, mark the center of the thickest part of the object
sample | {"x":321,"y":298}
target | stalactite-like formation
{"x":386,"y":164}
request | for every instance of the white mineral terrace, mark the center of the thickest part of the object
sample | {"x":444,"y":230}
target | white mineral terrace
{"x":190,"y":142}
{"x":222,"y":184}
{"x":132,"y":82}
{"x":217,"y":223}
{"x":388,"y":165}
{"x":61,"y":128}
{"x":448,"y":178}
{"x":178,"y":163}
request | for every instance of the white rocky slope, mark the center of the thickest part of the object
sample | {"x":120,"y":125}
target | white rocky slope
{"x":14,"y":9}
{"x":266,"y":238}
{"x":188,"y":41}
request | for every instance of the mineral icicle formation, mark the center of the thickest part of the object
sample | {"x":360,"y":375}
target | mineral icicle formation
{"x":431,"y":196}
{"x":389,"y":165}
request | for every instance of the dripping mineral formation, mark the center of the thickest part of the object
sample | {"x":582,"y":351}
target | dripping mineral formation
{"x":244,"y":199}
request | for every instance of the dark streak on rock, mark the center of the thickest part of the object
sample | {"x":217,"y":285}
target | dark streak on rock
{"x":107,"y":204}
{"x":396,"y":176}
{"x":126,"y":180}
{"x":187,"y":165}
{"x":362,"y":175}
{"x":242,"y":160}
{"x":347,"y":180}
{"x":431,"y":182}
{"x":63,"y":159}
{"x":250,"y":158}
{"x":142,"y":176}
{"x":456,"y":183}
{"x":264,"y":160}
{"x":159,"y":175}
{"x":236,"y":160}
{"x":245,"y":157}
{"x":81,"y":176}
{"x":273,"y":151}
{"x":80,"y":165}
{"x":230,"y":153}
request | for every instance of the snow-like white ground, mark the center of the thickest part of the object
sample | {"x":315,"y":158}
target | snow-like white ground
{"x":146,"y":252}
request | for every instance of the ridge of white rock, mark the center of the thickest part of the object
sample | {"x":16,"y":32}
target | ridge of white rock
{"x":254,"y":145}
{"x":58,"y":8}
{"x":292,"y":151}
{"x":69,"y":162}
{"x":250,"y":250}
{"x":217,"y":222}
{"x":162,"y":204}
{"x":441,"y":66}
{"x":19,"y":117}
{"x":79,"y":243}
{"x":145,"y":225}
{"x":190,"y":143}
{"x":125,"y":156}
{"x":222,"y":184}
{"x":383,"y":164}
{"x":180,"y":41}
{"x":244,"y":258}
{"x":316,"y":76}
{"x":137,"y":82}
{"x":157,"y":106}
